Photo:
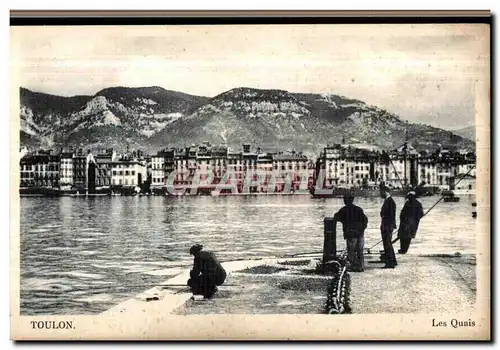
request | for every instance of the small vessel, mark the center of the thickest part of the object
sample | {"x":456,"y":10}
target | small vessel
{"x":449,"y":196}
{"x":324,"y":193}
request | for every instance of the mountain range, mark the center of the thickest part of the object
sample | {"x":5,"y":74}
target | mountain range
{"x":152,"y":118}
{"x":468,"y":133}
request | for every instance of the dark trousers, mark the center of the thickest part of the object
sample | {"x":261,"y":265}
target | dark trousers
{"x":405,"y":244}
{"x":355,"y":252}
{"x":206,"y":284}
{"x":390,"y":256}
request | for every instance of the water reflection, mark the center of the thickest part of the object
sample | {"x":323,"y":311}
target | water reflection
{"x":83,"y":255}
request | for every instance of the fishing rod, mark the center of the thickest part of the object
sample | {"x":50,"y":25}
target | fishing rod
{"x":427,"y":212}
{"x":163,"y":286}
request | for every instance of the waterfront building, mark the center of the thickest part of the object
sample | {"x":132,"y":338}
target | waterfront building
{"x":162,"y":164}
{"x":466,"y":164}
{"x":45,"y":169}
{"x":249,"y":168}
{"x":219,"y":162}
{"x":169,"y":161}
{"x":128,"y":172}
{"x":427,"y":170}
{"x":185,"y":165}
{"x":265,"y":170}
{"x":463,"y":182}
{"x":445,"y":167}
{"x":349,"y":167}
{"x":66,"y":171}
{"x":191,"y":163}
{"x":333,"y":164}
{"x":181,"y":167}
{"x":311,"y":170}
{"x":291,"y":170}
{"x":235,"y":168}
{"x":383,"y":172}
{"x":359,"y":168}
{"x":158,"y":170}
{"x":80,"y":171}
{"x":103,"y":170}
{"x":27,"y":165}
{"x":403,"y":168}
{"x":466,"y":168}
{"x":203,"y":162}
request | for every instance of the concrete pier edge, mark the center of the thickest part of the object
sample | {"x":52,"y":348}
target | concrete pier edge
{"x":166,"y":301}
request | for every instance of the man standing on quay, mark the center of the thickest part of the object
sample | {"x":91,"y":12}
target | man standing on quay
{"x":409,"y":220}
{"x":354,"y":222}
{"x":388,"y":224}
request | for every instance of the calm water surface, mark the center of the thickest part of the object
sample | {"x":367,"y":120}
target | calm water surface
{"x":84,"y":255}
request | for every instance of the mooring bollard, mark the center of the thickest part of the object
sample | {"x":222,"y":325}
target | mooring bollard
{"x":330,"y":240}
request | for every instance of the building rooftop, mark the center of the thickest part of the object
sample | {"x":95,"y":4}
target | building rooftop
{"x":290,"y":157}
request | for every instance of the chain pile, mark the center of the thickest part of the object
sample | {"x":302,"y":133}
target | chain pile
{"x":338,"y":292}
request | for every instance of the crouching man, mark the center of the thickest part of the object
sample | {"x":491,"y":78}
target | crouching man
{"x":207,"y":272}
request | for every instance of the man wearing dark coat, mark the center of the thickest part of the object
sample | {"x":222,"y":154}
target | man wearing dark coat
{"x":207,"y":272}
{"x":354,"y":222}
{"x":388,"y":224}
{"x":409,"y":220}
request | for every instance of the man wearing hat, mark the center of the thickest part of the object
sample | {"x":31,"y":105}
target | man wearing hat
{"x":409,"y":220}
{"x":354,"y":222}
{"x":388,"y":224}
{"x":207,"y":272}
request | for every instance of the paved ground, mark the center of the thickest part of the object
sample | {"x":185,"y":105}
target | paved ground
{"x":419,"y":284}
{"x":264,"y":294}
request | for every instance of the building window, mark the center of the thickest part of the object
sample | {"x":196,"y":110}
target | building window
{"x":133,"y":172}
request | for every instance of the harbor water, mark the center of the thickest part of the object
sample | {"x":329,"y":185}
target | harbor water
{"x":83,"y":255}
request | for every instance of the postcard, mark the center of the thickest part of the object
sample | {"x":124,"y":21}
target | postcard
{"x":250,"y":182}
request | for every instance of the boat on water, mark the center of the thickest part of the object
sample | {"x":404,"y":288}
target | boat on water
{"x":326,"y":192}
{"x":39,"y":192}
{"x":450,"y":197}
{"x":226,"y":193}
{"x":371,"y":192}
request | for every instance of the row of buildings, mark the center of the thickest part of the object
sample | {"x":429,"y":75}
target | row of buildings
{"x":212,"y":164}
{"x":337,"y":166}
{"x":347,"y":166}
{"x":81,"y":171}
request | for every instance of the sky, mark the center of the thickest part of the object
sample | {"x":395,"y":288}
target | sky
{"x":425,"y":73}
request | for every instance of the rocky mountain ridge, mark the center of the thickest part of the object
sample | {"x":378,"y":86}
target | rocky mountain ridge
{"x":153,"y":118}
